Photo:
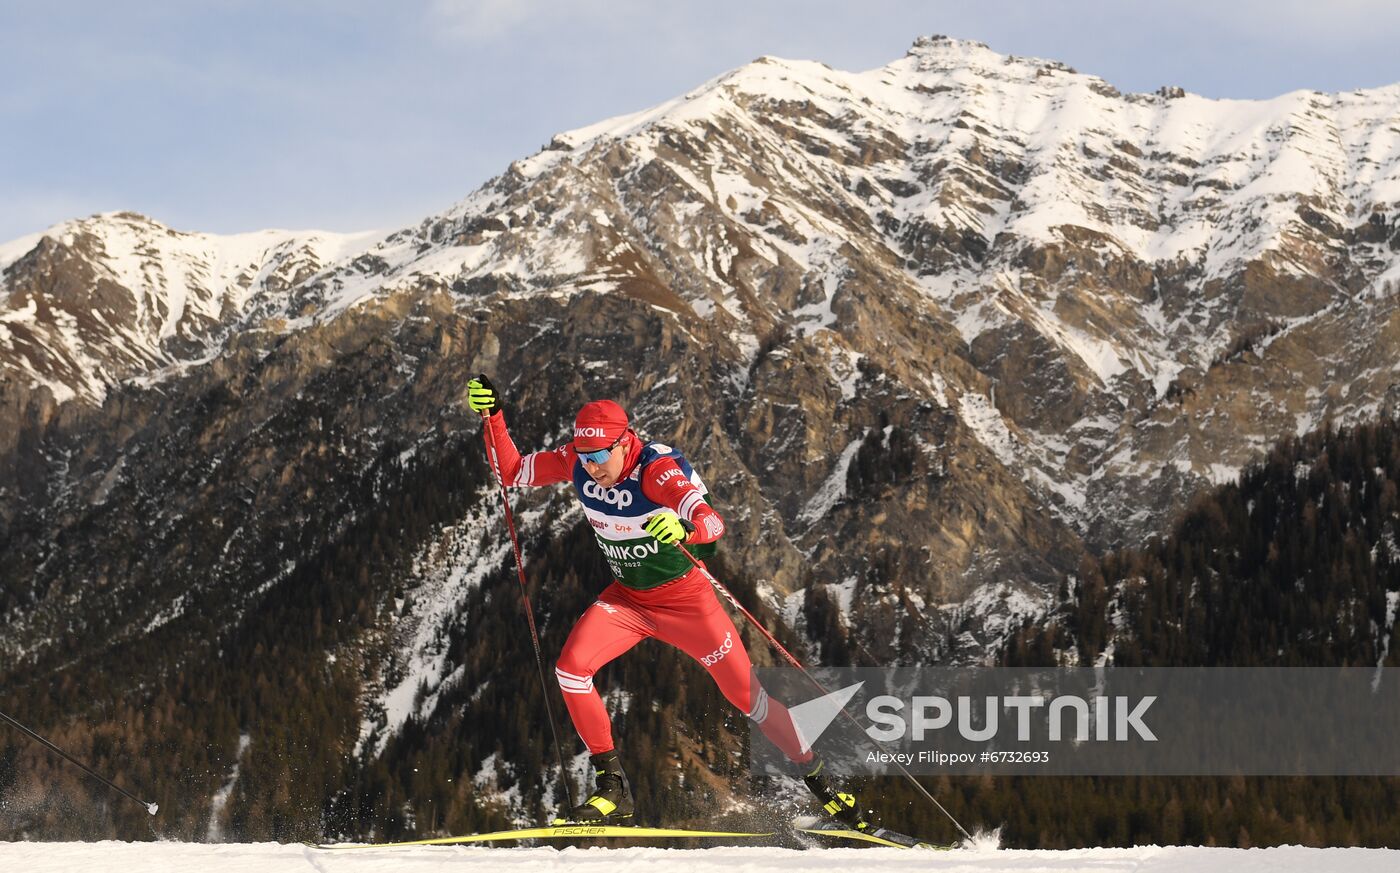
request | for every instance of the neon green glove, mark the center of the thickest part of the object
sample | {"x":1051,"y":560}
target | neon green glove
{"x":481,"y":395}
{"x":668,"y":527}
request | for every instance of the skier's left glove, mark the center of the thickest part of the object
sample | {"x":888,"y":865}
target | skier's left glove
{"x":668,"y":527}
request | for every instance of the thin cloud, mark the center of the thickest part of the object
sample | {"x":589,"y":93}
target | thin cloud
{"x":28,"y":212}
{"x":488,"y":21}
{"x":1348,"y":21}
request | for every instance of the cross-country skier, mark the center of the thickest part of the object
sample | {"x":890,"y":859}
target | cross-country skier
{"x":641,"y":497}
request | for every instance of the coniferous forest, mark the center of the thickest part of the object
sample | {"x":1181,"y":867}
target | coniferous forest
{"x":1296,"y":564}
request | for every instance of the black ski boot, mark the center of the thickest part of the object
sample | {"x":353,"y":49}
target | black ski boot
{"x":837,"y":803}
{"x":611,"y":800}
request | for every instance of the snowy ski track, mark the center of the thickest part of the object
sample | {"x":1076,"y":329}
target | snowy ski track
{"x":275,"y":858}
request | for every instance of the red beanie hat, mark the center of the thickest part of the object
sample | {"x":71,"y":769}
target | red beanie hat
{"x":598,"y":425}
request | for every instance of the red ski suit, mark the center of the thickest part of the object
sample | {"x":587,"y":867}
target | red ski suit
{"x":682,"y":612}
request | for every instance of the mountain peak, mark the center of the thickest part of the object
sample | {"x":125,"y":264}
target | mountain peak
{"x":95,"y":300}
{"x":945,"y":54}
{"x":126,"y":216}
{"x":939,"y":44}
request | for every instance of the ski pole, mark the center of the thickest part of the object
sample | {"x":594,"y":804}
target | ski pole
{"x":495,"y":462}
{"x":791,"y":659}
{"x":150,"y":807}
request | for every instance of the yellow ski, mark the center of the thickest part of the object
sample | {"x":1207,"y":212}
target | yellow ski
{"x":878,"y":836}
{"x":554,"y":832}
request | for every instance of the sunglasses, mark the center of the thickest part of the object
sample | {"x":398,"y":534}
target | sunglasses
{"x":601,"y":455}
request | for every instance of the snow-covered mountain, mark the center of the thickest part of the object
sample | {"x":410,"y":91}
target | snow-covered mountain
{"x":92,"y":302}
{"x":932,"y":333}
{"x":1074,"y":306}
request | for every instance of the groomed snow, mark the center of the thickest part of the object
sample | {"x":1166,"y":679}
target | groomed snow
{"x":275,"y":858}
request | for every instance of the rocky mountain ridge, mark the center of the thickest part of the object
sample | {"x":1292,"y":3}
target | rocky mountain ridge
{"x":931,"y":332}
{"x":93,"y":302}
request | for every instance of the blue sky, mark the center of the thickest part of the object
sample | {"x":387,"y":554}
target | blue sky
{"x":351,"y":115}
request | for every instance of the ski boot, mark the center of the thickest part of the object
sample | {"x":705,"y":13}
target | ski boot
{"x":837,"y":803}
{"x":611,"y":800}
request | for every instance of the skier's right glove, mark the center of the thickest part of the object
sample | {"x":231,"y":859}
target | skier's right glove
{"x":481,"y":395}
